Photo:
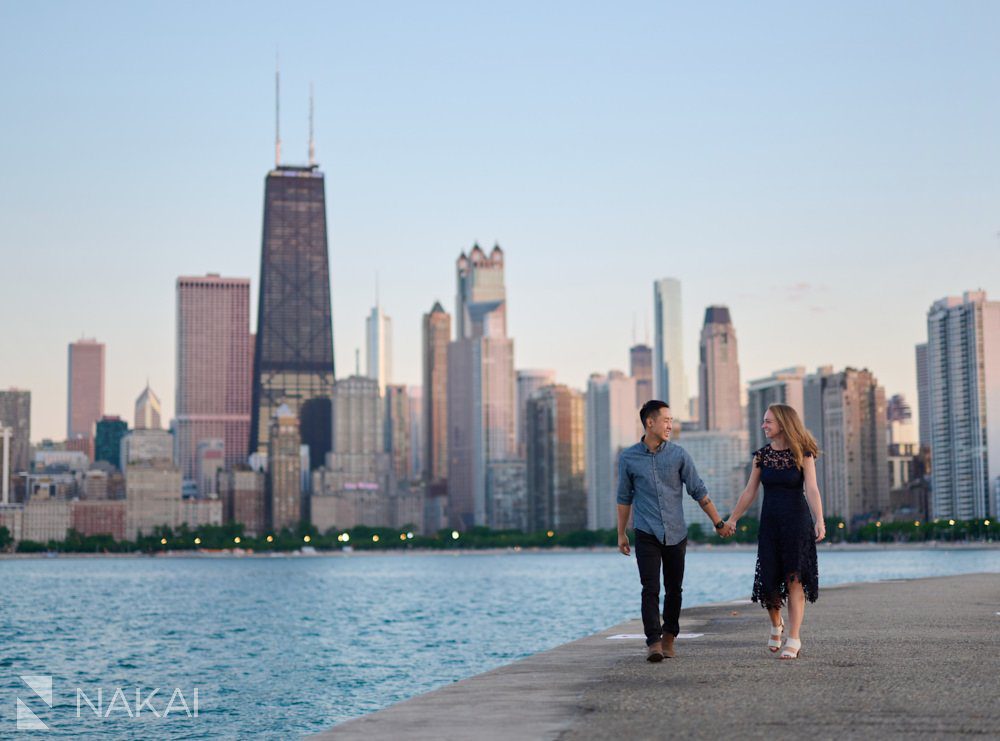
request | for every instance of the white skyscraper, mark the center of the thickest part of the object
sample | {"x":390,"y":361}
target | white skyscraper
{"x":481,"y":397}
{"x":378,"y":347}
{"x":963,"y":381}
{"x":670,"y":382}
{"x":719,"y":373}
{"x":722,"y":459}
{"x":612,"y":424}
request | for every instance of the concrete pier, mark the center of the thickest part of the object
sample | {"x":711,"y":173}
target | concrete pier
{"x":898,"y":659}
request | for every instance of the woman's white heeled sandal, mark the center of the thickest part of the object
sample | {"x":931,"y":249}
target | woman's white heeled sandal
{"x":774,"y":642}
{"x":792,"y":648}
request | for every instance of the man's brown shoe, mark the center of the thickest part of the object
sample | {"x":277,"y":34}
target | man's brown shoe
{"x":654,"y":651}
{"x":668,"y":645}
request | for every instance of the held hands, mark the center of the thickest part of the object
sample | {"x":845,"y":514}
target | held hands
{"x":623,"y":545}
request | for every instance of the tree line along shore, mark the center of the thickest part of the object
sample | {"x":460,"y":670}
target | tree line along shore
{"x":232,"y":536}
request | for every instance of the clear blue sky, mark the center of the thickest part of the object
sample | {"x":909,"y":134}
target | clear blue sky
{"x":826,"y":170}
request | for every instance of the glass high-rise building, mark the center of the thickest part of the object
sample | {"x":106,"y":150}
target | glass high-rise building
{"x":963,"y":382}
{"x":923,"y":396}
{"x":109,"y":432}
{"x":612,"y":424}
{"x":378,"y":347}
{"x":481,"y":387}
{"x":528,"y":382}
{"x":556,"y":460}
{"x":670,"y":382}
{"x":284,"y":479}
{"x":396,"y":434}
{"x":641,"y":369}
{"x":15,"y":415}
{"x":293,"y":358}
{"x":436,"y":337}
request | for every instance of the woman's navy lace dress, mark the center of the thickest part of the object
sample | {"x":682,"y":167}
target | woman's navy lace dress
{"x":786,"y":544}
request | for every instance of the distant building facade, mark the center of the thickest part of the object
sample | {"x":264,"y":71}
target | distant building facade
{"x":556,"y":461}
{"x":670,"y":380}
{"x":781,"y":387}
{"x":612,"y":425}
{"x":85,"y":392}
{"x":436,"y":338}
{"x":213,"y":372}
{"x":963,"y":382}
{"x":481,"y":393}
{"x":719,"y":373}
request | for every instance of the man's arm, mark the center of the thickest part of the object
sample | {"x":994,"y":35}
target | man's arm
{"x":624,"y":499}
{"x":708,"y":507}
{"x":624,"y":512}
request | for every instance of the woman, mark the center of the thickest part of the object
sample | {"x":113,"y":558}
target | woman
{"x":791,"y":523}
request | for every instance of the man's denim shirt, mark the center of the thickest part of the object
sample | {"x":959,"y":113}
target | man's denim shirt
{"x":651,"y":483}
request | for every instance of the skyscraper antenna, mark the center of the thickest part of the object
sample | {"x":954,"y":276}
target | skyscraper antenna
{"x":277,"y":109}
{"x":357,"y":361}
{"x":312,"y":141}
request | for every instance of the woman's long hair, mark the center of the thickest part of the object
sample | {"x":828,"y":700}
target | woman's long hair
{"x":800,"y":440}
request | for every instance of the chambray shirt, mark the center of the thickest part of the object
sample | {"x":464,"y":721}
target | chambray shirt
{"x":651,"y":483}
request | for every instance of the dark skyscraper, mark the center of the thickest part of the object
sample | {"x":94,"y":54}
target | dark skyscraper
{"x":293,"y":359}
{"x":641,"y":365}
{"x":108,"y":443}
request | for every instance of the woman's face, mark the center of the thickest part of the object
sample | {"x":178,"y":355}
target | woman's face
{"x":770,"y":426}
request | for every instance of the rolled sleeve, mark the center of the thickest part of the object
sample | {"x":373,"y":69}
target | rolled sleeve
{"x":625,"y":489}
{"x":696,"y":488}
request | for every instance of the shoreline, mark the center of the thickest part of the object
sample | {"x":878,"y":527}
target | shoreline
{"x":934,"y":545}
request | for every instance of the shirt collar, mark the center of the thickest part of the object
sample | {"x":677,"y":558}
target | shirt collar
{"x":662,"y":445}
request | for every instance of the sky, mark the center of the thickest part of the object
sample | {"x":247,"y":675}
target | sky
{"x":825,"y":170}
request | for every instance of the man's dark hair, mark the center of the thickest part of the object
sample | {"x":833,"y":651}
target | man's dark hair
{"x":650,"y":409}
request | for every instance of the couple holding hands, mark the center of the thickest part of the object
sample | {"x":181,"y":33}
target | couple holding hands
{"x":650,"y":476}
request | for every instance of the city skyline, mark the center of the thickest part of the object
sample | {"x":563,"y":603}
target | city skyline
{"x":775,"y":199}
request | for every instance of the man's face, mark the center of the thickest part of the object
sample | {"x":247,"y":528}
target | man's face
{"x":661,"y":423}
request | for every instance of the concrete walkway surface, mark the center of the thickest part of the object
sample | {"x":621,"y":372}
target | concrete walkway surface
{"x":897,"y":659}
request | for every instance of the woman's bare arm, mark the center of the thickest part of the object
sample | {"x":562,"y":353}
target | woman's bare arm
{"x":813,"y":498}
{"x":747,"y":497}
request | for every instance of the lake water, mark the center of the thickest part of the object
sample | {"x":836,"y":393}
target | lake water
{"x":281,"y":647}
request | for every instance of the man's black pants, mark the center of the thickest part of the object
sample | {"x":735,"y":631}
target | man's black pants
{"x":650,"y":554}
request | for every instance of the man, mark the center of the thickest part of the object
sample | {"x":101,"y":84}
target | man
{"x":650,"y":476}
